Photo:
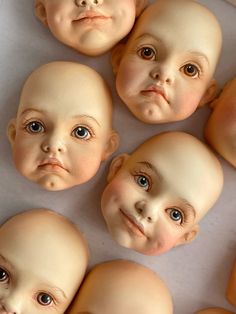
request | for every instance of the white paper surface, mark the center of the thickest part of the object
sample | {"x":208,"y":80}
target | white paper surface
{"x":197,"y":273}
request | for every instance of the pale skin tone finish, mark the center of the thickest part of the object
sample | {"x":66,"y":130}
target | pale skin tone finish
{"x":92,"y":27}
{"x":155,"y":196}
{"x":43,"y":259}
{"x":220,"y":129}
{"x":121,"y":287}
{"x":63,"y":129}
{"x":165,"y":71}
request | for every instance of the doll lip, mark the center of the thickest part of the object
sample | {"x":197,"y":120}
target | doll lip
{"x":91,"y":15}
{"x":133,"y":224}
{"x":51,"y":164}
{"x":156,"y":90}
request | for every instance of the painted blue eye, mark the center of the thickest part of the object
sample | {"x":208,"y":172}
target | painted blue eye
{"x":176,"y":215}
{"x":81,"y":132}
{"x":3,"y":275}
{"x":44,"y":299}
{"x":35,"y":127}
{"x":143,"y":182}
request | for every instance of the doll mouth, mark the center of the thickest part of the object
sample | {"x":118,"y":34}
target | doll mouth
{"x":133,"y":224}
{"x":154,"y":90}
{"x":91,"y":16}
{"x":51,"y":164}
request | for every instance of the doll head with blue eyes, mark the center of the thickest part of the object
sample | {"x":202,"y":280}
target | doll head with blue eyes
{"x":43,"y":259}
{"x":91,"y":27}
{"x":63,"y":128}
{"x":165,"y":70}
{"x":156,"y":196}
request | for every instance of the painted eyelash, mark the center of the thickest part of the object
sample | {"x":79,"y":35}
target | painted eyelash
{"x":90,"y":129}
{"x":26,"y":122}
{"x":142,"y":173}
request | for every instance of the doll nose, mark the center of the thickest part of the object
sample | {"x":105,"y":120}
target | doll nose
{"x":162,"y":76}
{"x":84,"y":3}
{"x":144,"y":211}
{"x":12,"y":305}
{"x":53,"y":145}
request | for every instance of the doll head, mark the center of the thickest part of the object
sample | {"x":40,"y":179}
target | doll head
{"x":63,"y":129}
{"x":121,"y":287}
{"x":91,"y":27}
{"x":165,"y":71}
{"x":43,"y":259}
{"x":220,"y":130}
{"x":156,"y":196}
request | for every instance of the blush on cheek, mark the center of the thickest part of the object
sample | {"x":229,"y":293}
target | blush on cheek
{"x":186,"y":105}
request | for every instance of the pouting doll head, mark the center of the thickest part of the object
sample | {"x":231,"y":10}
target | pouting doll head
{"x":121,"y":287}
{"x":43,"y":259}
{"x":63,"y":129}
{"x":156,"y":196}
{"x":220,"y":130}
{"x":165,"y":71}
{"x":91,"y":27}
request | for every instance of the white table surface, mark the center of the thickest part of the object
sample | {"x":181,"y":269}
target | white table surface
{"x":197,"y":273}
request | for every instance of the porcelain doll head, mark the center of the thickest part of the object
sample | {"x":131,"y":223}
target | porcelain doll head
{"x":165,"y":70}
{"x":91,"y":27}
{"x":155,"y":196}
{"x":220,"y":130}
{"x":63,"y":129}
{"x":121,"y":287}
{"x":43,"y":259}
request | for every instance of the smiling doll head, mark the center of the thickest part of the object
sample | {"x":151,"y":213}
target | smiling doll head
{"x":91,"y":27}
{"x":121,"y":287}
{"x":43,"y":259}
{"x":220,"y":129}
{"x":156,"y":196}
{"x":165,"y":70}
{"x":63,"y":129}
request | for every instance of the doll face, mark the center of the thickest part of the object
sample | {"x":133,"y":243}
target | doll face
{"x":62,"y":131}
{"x":37,"y":267}
{"x":156,"y":198}
{"x":221,"y":127}
{"x":90,"y":26}
{"x":169,"y":60}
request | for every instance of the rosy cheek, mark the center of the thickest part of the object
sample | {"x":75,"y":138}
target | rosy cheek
{"x":185,"y":103}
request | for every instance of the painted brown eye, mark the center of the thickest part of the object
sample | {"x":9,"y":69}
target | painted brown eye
{"x":147,"y":53}
{"x":3,"y":275}
{"x":143,"y":182}
{"x":44,"y":299}
{"x":81,"y":133}
{"x":35,"y":127}
{"x":175,"y":215}
{"x":191,"y":70}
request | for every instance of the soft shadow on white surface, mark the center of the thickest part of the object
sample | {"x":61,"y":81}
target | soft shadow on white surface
{"x":196,"y":274}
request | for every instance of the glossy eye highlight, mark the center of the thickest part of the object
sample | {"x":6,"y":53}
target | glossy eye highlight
{"x":81,"y":132}
{"x":44,"y":299}
{"x":175,"y":215}
{"x":147,"y":53}
{"x":34,"y":127}
{"x":3,"y":275}
{"x":191,"y":70}
{"x":143,"y":182}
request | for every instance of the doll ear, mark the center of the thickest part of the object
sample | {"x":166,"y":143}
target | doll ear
{"x":40,"y":11}
{"x":189,"y":236}
{"x":11,"y":131}
{"x":210,"y":93}
{"x":111,"y":145}
{"x":115,"y":165}
{"x":116,"y":56}
{"x":140,"y":5}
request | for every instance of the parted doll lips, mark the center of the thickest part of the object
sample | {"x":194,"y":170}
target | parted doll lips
{"x":51,"y":164}
{"x":90,"y":16}
{"x":155,"y":89}
{"x":133,"y":224}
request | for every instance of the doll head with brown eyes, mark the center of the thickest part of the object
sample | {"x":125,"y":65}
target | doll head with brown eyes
{"x":220,"y":130}
{"x":165,"y":70}
{"x":63,"y":128}
{"x":156,"y":196}
{"x":92,"y":27}
{"x":43,"y":259}
{"x":121,"y":287}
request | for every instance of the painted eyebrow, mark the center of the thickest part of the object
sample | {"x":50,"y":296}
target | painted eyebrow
{"x":200,"y":55}
{"x":6,"y":261}
{"x":55,"y":289}
{"x":29,"y":110}
{"x":87,"y":117}
{"x":147,"y":35}
{"x":189,"y":207}
{"x":151,"y":167}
